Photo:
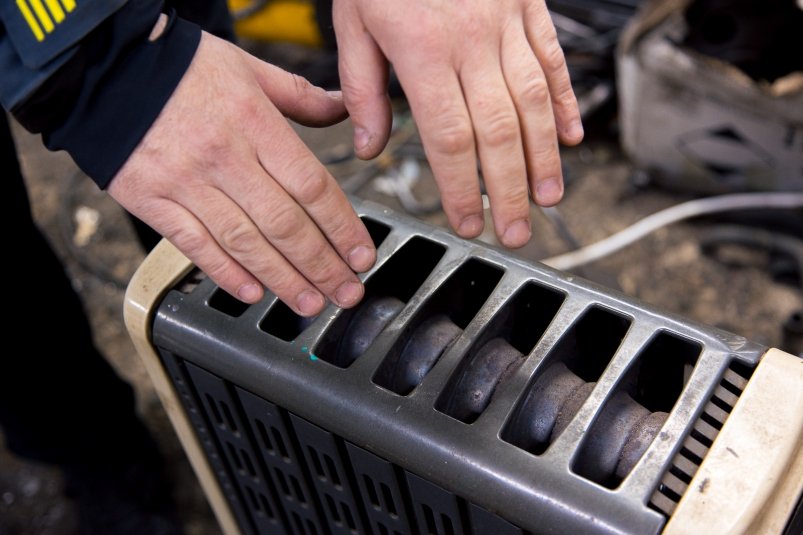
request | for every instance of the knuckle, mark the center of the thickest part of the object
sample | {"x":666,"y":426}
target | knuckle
{"x":302,"y":86}
{"x":288,"y":223}
{"x":565,"y":98}
{"x":310,"y":186}
{"x":240,"y":238}
{"x":454,"y":137}
{"x":461,"y":203}
{"x":189,"y":241}
{"x":500,"y":130}
{"x":554,"y":60}
{"x":534,"y":92}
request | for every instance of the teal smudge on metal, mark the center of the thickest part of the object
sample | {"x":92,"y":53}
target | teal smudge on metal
{"x":304,"y":349}
{"x":313,"y":357}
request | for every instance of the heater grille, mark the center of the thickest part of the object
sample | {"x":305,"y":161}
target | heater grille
{"x":470,"y":391}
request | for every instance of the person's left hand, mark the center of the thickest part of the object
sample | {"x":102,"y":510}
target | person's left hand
{"x":485,"y":79}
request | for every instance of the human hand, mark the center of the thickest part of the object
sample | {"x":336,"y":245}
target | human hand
{"x":484,"y":78}
{"x":223,"y":176}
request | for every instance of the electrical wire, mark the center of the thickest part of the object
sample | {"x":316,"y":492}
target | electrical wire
{"x":686,"y":210}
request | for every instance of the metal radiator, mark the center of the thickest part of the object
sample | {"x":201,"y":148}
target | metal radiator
{"x":470,"y":392}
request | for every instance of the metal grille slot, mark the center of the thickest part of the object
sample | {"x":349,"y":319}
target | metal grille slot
{"x":223,"y":302}
{"x":436,"y":326}
{"x":565,"y":380}
{"x":508,"y":337}
{"x":386,"y":292}
{"x":636,"y":410}
{"x":695,"y":447}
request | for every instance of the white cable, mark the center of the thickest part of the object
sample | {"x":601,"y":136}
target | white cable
{"x":686,"y":210}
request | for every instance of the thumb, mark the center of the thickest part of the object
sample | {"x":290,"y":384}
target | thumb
{"x":295,"y":97}
{"x":364,"y":82}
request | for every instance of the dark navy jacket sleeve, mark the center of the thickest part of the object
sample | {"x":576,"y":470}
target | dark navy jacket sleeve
{"x":85,"y":76}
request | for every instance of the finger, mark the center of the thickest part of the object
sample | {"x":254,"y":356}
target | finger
{"x":240,"y":238}
{"x":444,"y":124}
{"x":295,"y":97}
{"x":191,"y":237}
{"x":544,"y":42}
{"x":499,"y":145}
{"x":277,"y":218}
{"x":530,"y":93}
{"x":311,"y":186}
{"x":364,"y":82}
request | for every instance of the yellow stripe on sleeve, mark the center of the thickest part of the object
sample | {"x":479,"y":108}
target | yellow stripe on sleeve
{"x":31,"y":20}
{"x":41,"y":13}
{"x":69,"y":5}
{"x":55,"y":9}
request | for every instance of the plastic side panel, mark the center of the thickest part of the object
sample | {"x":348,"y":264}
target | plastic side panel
{"x":752,"y":476}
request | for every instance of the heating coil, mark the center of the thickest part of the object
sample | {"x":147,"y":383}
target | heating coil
{"x":627,"y":429}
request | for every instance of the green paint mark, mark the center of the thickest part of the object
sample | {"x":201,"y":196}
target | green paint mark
{"x":304,"y":349}
{"x":313,"y":357}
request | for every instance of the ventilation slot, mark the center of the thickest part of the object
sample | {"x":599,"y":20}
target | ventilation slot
{"x":386,"y":510}
{"x":437,"y":511}
{"x":283,"y":466}
{"x":223,"y":302}
{"x":378,"y":231}
{"x":237,"y":453}
{"x":695,"y":447}
{"x":499,"y":351}
{"x":565,"y":379}
{"x":631,"y":417}
{"x":176,"y":368}
{"x":330,"y":477}
{"x":191,"y":281}
{"x":436,"y":326}
{"x":283,"y":323}
{"x":386,"y":293}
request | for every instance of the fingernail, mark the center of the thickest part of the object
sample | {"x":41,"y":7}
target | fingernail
{"x":348,"y":294}
{"x":361,"y":138}
{"x":309,"y":303}
{"x":249,"y":293}
{"x":361,"y":258}
{"x":549,"y":192}
{"x":335,"y":95}
{"x":575,"y":130}
{"x":470,"y":227}
{"x":517,"y":234}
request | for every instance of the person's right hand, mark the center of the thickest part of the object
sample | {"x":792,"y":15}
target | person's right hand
{"x":224,"y":177}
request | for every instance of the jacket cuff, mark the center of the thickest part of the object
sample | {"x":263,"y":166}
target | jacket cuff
{"x":113,"y":90}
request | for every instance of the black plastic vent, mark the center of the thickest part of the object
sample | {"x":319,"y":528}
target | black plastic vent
{"x":696,"y":445}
